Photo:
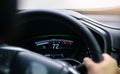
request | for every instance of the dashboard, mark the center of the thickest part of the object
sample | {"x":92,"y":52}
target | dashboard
{"x":51,"y":36}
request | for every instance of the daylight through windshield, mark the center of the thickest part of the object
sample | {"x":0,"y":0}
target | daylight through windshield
{"x":67,"y":4}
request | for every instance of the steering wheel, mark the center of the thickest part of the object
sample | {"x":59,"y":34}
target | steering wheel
{"x":72,"y":23}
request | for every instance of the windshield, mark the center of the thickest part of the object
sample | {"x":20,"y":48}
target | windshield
{"x":67,"y":4}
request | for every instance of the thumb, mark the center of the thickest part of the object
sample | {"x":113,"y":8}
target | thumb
{"x":89,"y":63}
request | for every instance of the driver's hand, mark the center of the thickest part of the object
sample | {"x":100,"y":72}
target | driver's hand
{"x":107,"y":66}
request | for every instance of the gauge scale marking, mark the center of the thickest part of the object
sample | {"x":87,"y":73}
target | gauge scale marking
{"x":54,"y":44}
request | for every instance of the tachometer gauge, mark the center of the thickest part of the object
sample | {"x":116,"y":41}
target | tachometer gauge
{"x":54,"y":44}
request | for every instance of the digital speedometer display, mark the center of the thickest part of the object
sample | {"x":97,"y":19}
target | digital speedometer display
{"x":54,"y":44}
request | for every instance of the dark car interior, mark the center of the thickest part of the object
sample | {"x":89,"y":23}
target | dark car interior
{"x":54,"y":41}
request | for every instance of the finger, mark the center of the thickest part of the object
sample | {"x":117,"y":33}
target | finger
{"x":89,"y":63}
